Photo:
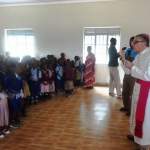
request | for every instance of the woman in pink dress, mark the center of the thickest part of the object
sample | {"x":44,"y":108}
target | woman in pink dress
{"x":89,"y":73}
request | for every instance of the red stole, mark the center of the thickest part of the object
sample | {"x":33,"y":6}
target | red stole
{"x":141,"y":107}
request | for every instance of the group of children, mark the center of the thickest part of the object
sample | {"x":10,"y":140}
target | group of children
{"x":32,"y":80}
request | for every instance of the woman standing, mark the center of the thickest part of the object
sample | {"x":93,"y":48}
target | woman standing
{"x":89,"y":74}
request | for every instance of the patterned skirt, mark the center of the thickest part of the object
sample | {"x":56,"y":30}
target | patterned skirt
{"x":45,"y":88}
{"x":69,"y":85}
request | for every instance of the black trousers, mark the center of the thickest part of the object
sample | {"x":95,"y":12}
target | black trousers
{"x":128,"y":84}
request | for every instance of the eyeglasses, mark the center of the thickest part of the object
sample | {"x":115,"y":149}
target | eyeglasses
{"x":135,"y":42}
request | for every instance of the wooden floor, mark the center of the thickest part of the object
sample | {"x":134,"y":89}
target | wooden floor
{"x":88,"y":120}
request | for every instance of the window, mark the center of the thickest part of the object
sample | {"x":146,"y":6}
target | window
{"x":19,"y":42}
{"x":99,"y":39}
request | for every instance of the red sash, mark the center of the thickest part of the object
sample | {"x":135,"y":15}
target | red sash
{"x":141,"y":107}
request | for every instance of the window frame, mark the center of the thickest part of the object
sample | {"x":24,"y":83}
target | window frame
{"x":100,"y":31}
{"x":25,"y":32}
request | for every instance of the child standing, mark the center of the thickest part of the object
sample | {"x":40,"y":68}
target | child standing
{"x":14,"y":86}
{"x":59,"y":76}
{"x":78,"y":71}
{"x":4,"y":114}
{"x":35,"y":76}
{"x":52,"y":78}
{"x":26,"y":91}
{"x":45,"y":81}
{"x":69,"y":78}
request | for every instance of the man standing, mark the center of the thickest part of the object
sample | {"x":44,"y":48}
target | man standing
{"x":113,"y":64}
{"x":140,"y":109}
{"x":128,"y":81}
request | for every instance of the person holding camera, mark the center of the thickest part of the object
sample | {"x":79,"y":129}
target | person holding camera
{"x":140,"y":108}
{"x":127,"y":54}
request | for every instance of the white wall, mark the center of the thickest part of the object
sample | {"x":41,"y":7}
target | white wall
{"x":58,"y":28}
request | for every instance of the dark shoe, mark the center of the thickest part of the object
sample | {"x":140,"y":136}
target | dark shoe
{"x":111,"y":94}
{"x":123,"y":109}
{"x":15,"y":125}
{"x":119,"y":97}
{"x":6,"y":131}
{"x":128,"y":113}
{"x":130,"y":137}
{"x":2,"y":135}
{"x":24,"y":115}
{"x":36,"y":101}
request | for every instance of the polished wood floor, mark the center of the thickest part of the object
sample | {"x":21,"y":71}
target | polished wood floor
{"x":87,"y":120}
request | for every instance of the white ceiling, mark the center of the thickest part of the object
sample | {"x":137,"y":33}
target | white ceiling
{"x":29,"y":2}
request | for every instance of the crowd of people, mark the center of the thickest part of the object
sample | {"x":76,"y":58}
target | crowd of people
{"x":32,"y":80}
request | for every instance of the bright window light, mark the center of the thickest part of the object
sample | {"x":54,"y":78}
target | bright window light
{"x":19,"y":42}
{"x":99,"y":39}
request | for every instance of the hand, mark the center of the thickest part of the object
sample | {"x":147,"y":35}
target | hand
{"x":128,"y":64}
{"x":121,"y":52}
{"x":122,"y":55}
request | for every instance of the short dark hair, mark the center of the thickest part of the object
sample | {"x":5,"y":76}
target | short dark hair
{"x":113,"y":41}
{"x":62,"y":54}
{"x":89,"y":48}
